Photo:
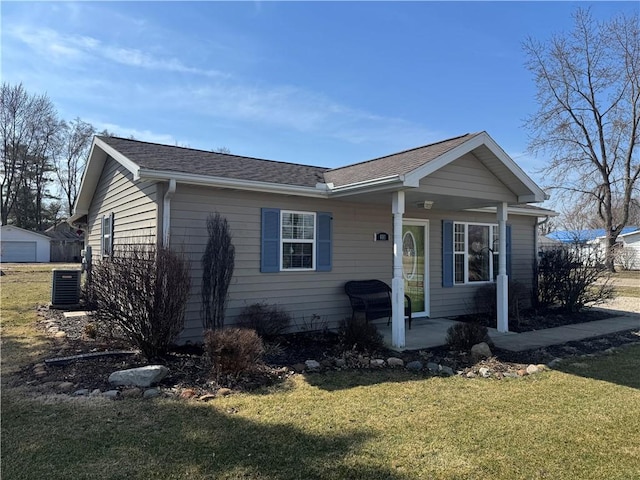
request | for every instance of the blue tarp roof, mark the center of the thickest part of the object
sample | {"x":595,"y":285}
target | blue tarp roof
{"x":583,"y":236}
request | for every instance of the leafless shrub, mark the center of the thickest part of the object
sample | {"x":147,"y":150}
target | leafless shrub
{"x":217,"y":269}
{"x":268,"y":321}
{"x":233,"y":350}
{"x":141,"y":294}
{"x":572,"y":278}
{"x":463,"y":336}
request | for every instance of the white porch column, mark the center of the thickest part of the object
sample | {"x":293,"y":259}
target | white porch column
{"x":397,"y":284}
{"x":502,"y":284}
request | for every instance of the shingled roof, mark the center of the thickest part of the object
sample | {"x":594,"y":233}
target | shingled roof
{"x":395,"y":164}
{"x":168,"y":158}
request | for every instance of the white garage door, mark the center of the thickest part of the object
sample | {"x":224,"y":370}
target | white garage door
{"x":18,"y":251}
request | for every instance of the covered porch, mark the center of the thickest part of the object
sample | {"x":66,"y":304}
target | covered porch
{"x":451,"y":183}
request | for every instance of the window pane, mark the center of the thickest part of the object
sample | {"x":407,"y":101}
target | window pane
{"x":479,"y":253}
{"x":459,"y":267}
{"x":297,"y":255}
{"x":298,"y":226}
{"x":458,"y":240}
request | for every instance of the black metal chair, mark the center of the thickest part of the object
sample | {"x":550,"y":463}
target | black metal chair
{"x":373,"y":298}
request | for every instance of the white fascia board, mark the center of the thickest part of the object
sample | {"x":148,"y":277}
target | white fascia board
{"x":133,"y":167}
{"x":222,"y":182}
{"x":517,"y":211}
{"x":392,"y":182}
{"x":413,"y":178}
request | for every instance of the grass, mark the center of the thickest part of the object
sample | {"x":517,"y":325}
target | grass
{"x":578,"y":422}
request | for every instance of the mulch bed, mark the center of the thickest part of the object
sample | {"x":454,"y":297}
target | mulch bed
{"x":189,"y":369}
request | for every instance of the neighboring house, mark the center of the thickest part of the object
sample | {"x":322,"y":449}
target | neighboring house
{"x":429,"y":221}
{"x":67,"y":243}
{"x":629,"y":256}
{"x":20,"y":245}
{"x":594,"y":241}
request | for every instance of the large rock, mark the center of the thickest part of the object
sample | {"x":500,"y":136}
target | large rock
{"x":480,"y":351}
{"x":139,"y":377}
{"x":414,"y":366}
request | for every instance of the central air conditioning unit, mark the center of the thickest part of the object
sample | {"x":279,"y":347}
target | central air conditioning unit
{"x":65,"y":287}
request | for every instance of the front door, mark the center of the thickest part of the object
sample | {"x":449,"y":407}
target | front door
{"x":415,"y":265}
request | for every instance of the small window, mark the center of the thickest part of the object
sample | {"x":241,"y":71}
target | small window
{"x":298,"y":240}
{"x":107,"y":235}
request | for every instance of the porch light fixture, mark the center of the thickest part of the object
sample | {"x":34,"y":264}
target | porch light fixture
{"x":427,"y":204}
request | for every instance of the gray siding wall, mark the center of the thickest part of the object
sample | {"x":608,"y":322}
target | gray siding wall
{"x":132,"y":203}
{"x":355,"y":254}
{"x":478,"y":181}
{"x":302,"y":294}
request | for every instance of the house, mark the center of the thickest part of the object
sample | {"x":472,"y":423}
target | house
{"x":629,"y":255}
{"x":66,"y":243}
{"x":592,"y":242}
{"x":20,"y":245}
{"x":430,"y":221}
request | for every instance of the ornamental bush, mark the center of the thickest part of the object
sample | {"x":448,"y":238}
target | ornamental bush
{"x":140,"y":294}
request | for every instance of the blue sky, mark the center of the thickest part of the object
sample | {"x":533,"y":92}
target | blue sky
{"x":320,"y":83}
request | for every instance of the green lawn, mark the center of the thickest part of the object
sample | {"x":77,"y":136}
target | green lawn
{"x":579,"y":423}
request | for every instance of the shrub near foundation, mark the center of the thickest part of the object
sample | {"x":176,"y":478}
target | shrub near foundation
{"x":140,"y":294}
{"x":268,"y":321}
{"x":233,"y":350}
{"x":463,"y":336}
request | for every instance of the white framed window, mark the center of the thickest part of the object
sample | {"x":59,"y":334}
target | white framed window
{"x":106,"y":237}
{"x":297,"y":240}
{"x":475,"y":252}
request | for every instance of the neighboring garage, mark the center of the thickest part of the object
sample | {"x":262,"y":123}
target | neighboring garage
{"x":19,"y":245}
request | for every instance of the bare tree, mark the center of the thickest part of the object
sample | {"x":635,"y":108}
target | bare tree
{"x":588,"y":91}
{"x":28,"y":126}
{"x":71,"y":156}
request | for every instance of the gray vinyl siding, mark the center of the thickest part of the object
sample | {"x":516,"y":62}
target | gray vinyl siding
{"x":355,"y":254}
{"x":133,"y":204}
{"x":467,"y":177}
{"x":302,"y":294}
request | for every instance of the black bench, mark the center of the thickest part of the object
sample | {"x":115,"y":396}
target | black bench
{"x":373,"y":298}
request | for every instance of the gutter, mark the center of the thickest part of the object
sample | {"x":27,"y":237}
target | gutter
{"x":166,"y":212}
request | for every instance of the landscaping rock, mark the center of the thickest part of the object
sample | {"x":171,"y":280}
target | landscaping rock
{"x":312,"y":366}
{"x":484,"y":372}
{"x":81,"y":393}
{"x":223,"y":392}
{"x":112,"y":394}
{"x":65,"y":387}
{"x":377,"y":363}
{"x":340,"y":362}
{"x":532,"y":369}
{"x":326,"y":363}
{"x":298,"y":367}
{"x":480,"y":351}
{"x":522,"y":372}
{"x":395,"y":362}
{"x":95,"y":392}
{"x":187,"y":393}
{"x":471,"y":375}
{"x":139,"y":377}
{"x":151,"y":393}
{"x":554,"y":363}
{"x":415,"y":366}
{"x":207,"y":397}
{"x":433,"y":367}
{"x":447,"y":371}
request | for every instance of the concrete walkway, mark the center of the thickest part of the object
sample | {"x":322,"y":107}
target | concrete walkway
{"x":432,"y":332}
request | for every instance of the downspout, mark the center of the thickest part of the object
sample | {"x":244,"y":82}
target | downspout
{"x":166,"y":212}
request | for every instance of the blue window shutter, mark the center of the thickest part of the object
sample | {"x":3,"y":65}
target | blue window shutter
{"x":323,"y":241}
{"x":102,"y":236}
{"x":270,"y":252}
{"x":112,"y":226}
{"x":447,"y":253}
{"x":508,"y":242}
